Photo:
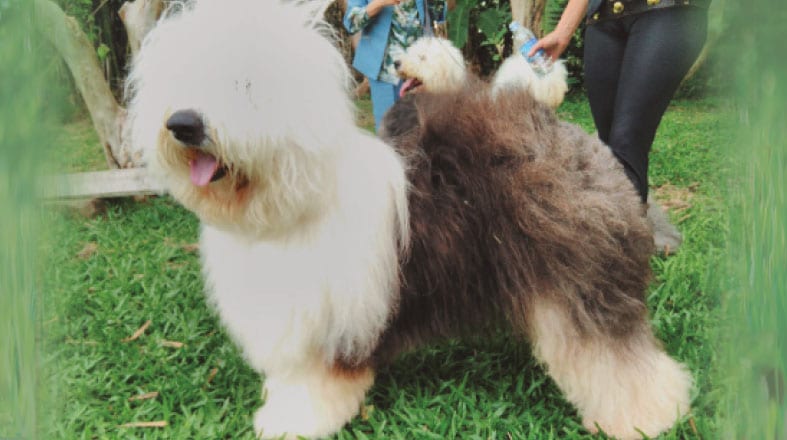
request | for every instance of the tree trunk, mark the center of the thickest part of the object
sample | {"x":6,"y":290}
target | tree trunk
{"x":530,"y":13}
{"x":139,"y":17}
{"x":77,"y":51}
{"x":73,"y":45}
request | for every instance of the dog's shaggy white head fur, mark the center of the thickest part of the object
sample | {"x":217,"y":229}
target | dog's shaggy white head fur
{"x":262,"y":107}
{"x":436,"y":65}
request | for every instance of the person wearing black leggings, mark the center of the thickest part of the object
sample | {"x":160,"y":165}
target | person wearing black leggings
{"x":636,"y":54}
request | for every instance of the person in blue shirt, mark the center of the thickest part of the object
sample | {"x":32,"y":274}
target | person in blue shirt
{"x":388,"y":28}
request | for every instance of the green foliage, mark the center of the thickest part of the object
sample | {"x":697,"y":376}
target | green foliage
{"x":101,"y":23}
{"x":82,"y":11}
{"x":26,"y":110}
{"x":459,"y":20}
{"x":493,"y":21}
{"x":493,"y":24}
{"x":756,"y":305}
{"x":102,"y":51}
{"x":481,"y":30}
{"x":490,"y":18}
{"x":714,"y":75}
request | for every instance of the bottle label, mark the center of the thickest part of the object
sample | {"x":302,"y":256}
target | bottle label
{"x":525,"y":49}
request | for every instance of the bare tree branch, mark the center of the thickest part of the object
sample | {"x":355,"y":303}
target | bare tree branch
{"x":530,"y":13}
{"x":73,"y":45}
{"x":139,"y":17}
{"x":108,"y":116}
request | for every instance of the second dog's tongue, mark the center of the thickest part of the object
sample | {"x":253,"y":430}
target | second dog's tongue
{"x":202,"y":168}
{"x":406,"y":86}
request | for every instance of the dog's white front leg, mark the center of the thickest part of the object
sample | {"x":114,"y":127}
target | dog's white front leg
{"x":312,"y":404}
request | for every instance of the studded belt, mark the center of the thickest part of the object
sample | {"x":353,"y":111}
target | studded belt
{"x":612,"y":9}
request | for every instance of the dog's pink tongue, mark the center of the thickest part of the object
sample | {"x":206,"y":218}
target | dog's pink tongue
{"x":202,"y":168}
{"x":406,"y":86}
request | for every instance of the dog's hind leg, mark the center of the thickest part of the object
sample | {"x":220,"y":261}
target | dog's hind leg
{"x":312,"y":403}
{"x":625,"y":385}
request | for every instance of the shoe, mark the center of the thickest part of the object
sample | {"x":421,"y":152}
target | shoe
{"x":666,"y":236}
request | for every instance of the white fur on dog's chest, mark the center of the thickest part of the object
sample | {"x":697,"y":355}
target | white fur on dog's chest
{"x":325,"y":292}
{"x":268,"y":297}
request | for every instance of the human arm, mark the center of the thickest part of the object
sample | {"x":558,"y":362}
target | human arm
{"x":360,"y":13}
{"x":555,"y":42}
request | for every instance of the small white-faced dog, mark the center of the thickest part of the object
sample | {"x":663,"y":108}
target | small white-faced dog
{"x":431,"y":63}
{"x":327,"y":252}
{"x":436,"y":65}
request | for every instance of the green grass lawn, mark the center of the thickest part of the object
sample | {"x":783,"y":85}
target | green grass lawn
{"x":108,"y":276}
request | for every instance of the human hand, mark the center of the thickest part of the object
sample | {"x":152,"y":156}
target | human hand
{"x":376,"y":6}
{"x":553,"y":43}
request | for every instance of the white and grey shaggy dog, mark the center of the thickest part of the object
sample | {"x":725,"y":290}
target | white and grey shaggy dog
{"x":327,"y":251}
{"x":436,"y":65}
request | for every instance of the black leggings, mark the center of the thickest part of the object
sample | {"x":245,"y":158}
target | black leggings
{"x":633,"y":66}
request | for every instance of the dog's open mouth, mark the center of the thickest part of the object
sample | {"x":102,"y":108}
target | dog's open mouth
{"x":204,"y":167}
{"x":411,"y":85}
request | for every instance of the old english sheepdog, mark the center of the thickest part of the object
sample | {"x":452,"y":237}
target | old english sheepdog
{"x":436,"y":65}
{"x":327,"y":251}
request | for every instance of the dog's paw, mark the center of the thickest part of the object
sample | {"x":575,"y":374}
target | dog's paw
{"x":292,"y":423}
{"x":310,"y":409}
{"x":271,"y":422}
{"x":650,"y":405}
{"x":666,"y":236}
{"x":289,"y":412}
{"x":312,"y":406}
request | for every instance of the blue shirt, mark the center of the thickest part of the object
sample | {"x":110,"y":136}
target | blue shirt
{"x":370,"y":53}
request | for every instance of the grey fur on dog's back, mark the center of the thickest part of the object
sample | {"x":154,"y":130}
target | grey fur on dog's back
{"x":509,"y":204}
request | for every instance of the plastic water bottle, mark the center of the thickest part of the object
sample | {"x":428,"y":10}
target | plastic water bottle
{"x":525,"y":39}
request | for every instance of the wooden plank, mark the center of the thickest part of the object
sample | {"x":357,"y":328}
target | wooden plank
{"x":87,"y":208}
{"x":100,"y":185}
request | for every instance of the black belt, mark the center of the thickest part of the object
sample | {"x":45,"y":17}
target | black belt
{"x":612,"y":9}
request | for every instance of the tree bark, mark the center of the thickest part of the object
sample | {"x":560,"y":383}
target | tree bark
{"x":77,"y":51}
{"x":139,"y":17}
{"x":108,"y":116}
{"x":530,"y":13}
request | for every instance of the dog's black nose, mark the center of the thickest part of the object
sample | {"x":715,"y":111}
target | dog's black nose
{"x":187,"y":127}
{"x":397,"y":64}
